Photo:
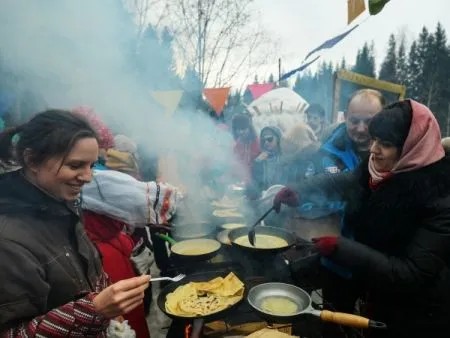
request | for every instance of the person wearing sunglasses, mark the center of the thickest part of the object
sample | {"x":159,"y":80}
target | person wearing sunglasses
{"x":266,"y":168}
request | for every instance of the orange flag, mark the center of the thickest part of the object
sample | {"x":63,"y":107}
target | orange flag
{"x":355,"y":9}
{"x":216,"y":97}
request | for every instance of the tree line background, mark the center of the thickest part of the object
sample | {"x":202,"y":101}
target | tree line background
{"x":423,"y":66}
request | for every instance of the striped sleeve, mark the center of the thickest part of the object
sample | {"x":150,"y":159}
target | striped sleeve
{"x":74,"y":319}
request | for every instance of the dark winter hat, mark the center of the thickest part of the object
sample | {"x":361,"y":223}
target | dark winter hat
{"x":241,"y":121}
{"x":392,"y":124}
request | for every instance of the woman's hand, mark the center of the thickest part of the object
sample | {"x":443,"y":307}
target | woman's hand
{"x":121,"y":297}
{"x":262,"y":157}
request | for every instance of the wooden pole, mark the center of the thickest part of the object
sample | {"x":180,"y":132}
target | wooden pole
{"x":279,"y":69}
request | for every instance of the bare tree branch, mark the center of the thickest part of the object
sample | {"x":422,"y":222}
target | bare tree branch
{"x":215,"y":37}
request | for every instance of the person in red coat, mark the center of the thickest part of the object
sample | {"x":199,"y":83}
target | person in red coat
{"x":246,"y":148}
{"x":116,"y":247}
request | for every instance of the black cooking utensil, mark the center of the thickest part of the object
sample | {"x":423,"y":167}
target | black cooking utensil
{"x":199,"y":277}
{"x":266,"y":230}
{"x":251,"y":233}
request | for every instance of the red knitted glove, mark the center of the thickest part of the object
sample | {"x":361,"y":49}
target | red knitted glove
{"x":285,"y":196}
{"x":326,"y":245}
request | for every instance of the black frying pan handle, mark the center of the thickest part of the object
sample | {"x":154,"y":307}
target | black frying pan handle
{"x":301,"y":243}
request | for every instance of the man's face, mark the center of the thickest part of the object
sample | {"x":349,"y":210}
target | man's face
{"x":360,"y":111}
{"x":314,"y":120}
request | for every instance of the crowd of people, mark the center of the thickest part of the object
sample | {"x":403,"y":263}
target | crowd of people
{"x":80,"y":206}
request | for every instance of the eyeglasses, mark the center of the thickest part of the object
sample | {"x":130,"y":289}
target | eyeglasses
{"x":268,"y":139}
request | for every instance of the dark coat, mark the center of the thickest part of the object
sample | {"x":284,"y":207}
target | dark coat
{"x":46,"y":259}
{"x":401,"y":252}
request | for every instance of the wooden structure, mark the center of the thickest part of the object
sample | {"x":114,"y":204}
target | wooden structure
{"x":362,"y":80}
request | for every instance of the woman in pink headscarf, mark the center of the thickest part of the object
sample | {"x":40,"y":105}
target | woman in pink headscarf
{"x":398,"y":207}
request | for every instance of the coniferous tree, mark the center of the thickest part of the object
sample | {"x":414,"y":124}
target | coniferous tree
{"x":388,"y":70}
{"x":365,"y":61}
{"x":402,"y":63}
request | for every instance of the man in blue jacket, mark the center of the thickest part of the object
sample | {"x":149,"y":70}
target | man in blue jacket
{"x":350,"y":141}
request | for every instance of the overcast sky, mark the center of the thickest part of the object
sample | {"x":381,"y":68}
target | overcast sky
{"x":301,"y":25}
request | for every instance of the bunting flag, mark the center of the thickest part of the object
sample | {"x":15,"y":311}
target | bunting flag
{"x":299,"y":69}
{"x":169,"y":99}
{"x":217,"y":97}
{"x":326,"y":45}
{"x":376,"y":6}
{"x":355,"y":9}
{"x":332,"y":42}
{"x":259,"y":89}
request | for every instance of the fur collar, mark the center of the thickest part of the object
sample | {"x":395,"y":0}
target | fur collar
{"x":410,"y":189}
{"x":301,"y":155}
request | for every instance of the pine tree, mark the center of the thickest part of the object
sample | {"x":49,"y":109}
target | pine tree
{"x":414,"y":71}
{"x":402,"y":63}
{"x":438,"y":76}
{"x":255,"y":81}
{"x":297,"y":85}
{"x":343,"y":64}
{"x":365,"y":61}
{"x":247,"y":98}
{"x":388,"y":70}
{"x":271,"y":78}
{"x":155,"y":61}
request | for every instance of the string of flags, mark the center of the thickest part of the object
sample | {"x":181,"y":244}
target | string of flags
{"x":354,"y":9}
{"x":170,"y":99}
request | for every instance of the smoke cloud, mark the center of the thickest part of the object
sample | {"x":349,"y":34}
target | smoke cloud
{"x":73,"y":53}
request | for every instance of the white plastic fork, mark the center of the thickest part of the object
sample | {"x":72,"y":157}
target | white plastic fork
{"x":174,"y":279}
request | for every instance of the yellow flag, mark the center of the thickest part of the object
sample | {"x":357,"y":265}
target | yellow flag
{"x":355,"y":9}
{"x":169,"y":99}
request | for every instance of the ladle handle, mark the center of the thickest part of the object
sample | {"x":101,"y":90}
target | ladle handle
{"x":167,"y":238}
{"x":350,"y":320}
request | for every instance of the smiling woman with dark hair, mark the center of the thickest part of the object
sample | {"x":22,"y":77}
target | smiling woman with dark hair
{"x":398,"y":206}
{"x":52,"y":280}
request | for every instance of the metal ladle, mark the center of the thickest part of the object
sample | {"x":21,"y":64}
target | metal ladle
{"x":251,"y":233}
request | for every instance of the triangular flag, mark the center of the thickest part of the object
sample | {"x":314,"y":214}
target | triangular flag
{"x":375,"y":6}
{"x":169,"y":99}
{"x":299,"y":69}
{"x":216,"y":97}
{"x":258,"y":89}
{"x":355,"y":9}
{"x":332,"y":42}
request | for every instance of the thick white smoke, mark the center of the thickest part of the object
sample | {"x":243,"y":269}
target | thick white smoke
{"x":75,"y":53}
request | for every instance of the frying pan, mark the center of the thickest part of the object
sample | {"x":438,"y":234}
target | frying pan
{"x":262,"y":230}
{"x":199,"y":277}
{"x":180,"y":250}
{"x":304,"y":306}
{"x":223,"y":238}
